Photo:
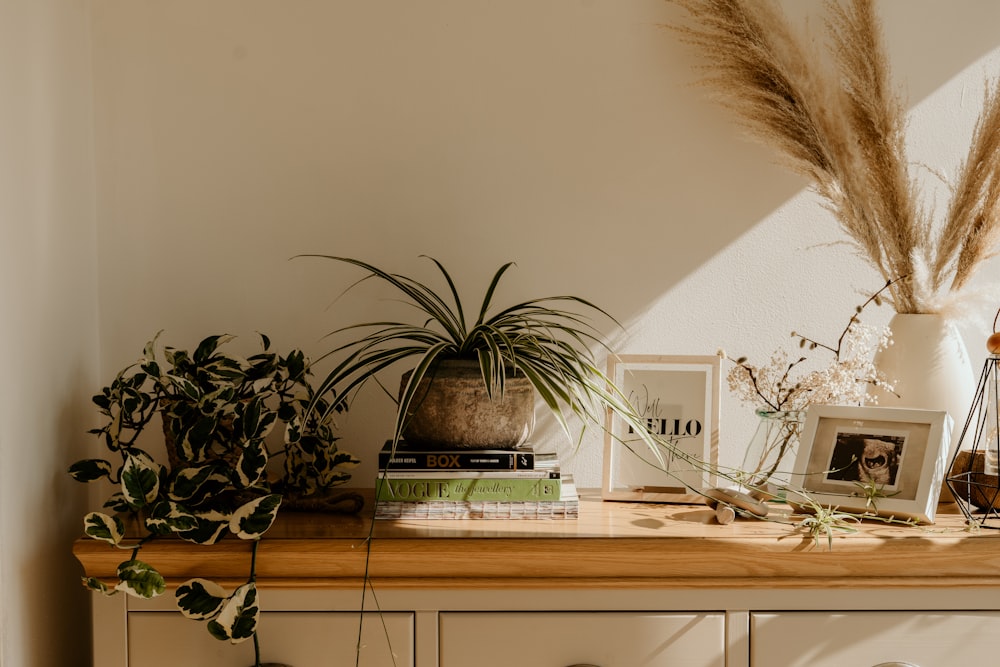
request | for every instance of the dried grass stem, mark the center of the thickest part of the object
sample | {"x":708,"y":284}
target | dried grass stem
{"x":837,"y":121}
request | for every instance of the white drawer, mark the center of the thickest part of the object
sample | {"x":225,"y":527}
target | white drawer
{"x":299,"y":639}
{"x":561,"y":639}
{"x":864,"y":639}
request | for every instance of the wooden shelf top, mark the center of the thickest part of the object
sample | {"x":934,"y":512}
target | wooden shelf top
{"x":611,"y":544}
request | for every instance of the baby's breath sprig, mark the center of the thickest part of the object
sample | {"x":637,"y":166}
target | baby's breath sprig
{"x":778,"y":386}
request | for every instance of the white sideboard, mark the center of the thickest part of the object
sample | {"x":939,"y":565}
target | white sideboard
{"x":625,"y":585}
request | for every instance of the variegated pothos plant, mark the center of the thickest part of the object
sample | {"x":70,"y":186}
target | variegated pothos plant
{"x":218,"y":410}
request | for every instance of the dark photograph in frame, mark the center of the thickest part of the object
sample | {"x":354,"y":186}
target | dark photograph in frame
{"x":869,"y":456}
{"x":852,"y":455}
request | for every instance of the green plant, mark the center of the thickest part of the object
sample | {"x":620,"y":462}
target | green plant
{"x":218,"y":411}
{"x":547,"y":340}
{"x":825,"y":520}
{"x":872,"y":492}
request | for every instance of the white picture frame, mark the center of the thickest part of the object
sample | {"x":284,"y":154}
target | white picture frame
{"x":679,"y":394}
{"x":903,"y":451}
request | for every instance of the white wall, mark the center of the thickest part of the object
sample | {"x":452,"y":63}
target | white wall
{"x":48,"y":260}
{"x":562,"y":134}
{"x":233,"y":134}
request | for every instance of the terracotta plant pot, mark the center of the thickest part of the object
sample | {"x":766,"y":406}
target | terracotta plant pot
{"x":452,"y":409}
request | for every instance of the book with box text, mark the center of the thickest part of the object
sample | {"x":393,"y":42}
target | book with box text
{"x":407,"y":457}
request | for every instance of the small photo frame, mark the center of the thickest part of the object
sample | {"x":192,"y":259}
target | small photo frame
{"x":845,"y":451}
{"x":679,"y":398}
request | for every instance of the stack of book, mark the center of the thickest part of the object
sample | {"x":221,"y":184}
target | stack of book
{"x":417,"y":483}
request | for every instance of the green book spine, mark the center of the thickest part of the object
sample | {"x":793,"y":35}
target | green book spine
{"x":467,"y":489}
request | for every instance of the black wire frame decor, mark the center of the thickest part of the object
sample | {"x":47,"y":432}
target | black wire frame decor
{"x":973,"y":473}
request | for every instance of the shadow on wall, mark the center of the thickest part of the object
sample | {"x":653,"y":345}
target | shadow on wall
{"x":647,"y":179}
{"x":566,"y":135}
{"x":712,"y":185}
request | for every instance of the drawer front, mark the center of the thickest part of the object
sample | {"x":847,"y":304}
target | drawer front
{"x":603,"y":639}
{"x":864,"y":639}
{"x":298,"y":639}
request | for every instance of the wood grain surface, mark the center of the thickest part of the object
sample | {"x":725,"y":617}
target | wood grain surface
{"x":611,"y":545}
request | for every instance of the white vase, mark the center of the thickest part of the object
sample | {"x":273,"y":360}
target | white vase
{"x":928,"y":365}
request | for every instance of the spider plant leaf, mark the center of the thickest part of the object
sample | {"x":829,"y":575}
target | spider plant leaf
{"x":406,"y":397}
{"x":492,"y":371}
{"x":488,"y":298}
{"x":460,"y":314}
{"x":548,"y":339}
{"x":421,"y":296}
{"x":550,"y":394}
{"x":356,"y":370}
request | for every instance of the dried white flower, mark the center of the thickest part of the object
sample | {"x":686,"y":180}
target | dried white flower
{"x":782,"y":384}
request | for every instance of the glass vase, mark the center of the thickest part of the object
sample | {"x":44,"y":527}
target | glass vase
{"x":770,"y":456}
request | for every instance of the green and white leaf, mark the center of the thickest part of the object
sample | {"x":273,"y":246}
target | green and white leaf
{"x":345,"y":459}
{"x":116,"y":502}
{"x":105,"y":528}
{"x":140,"y":480}
{"x":114,"y":428}
{"x":237,"y":621}
{"x":140,"y":580}
{"x":195,"y":437}
{"x":209,"y":527}
{"x":219,"y":402}
{"x":261,"y":386}
{"x":256,"y":421}
{"x":197,"y":483}
{"x":95,"y":584}
{"x":200,"y":599}
{"x":253,"y":461}
{"x":293,"y":430}
{"x":168,"y":516}
{"x":254,"y":518}
{"x":186,"y":387}
{"x":227,"y":369}
{"x":209,"y":345}
{"x":149,"y":351}
{"x":89,"y":470}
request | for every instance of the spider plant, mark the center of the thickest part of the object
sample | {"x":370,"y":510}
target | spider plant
{"x":547,"y":340}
